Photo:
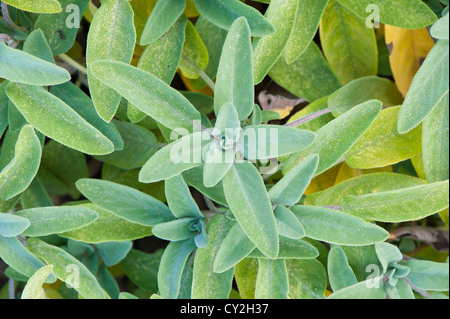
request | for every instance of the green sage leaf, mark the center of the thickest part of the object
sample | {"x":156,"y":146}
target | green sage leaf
{"x":162,"y":17}
{"x":428,"y":275}
{"x":381,"y":145}
{"x":246,"y":195}
{"x":272,"y":280}
{"x":64,"y":265}
{"x":234,"y":81}
{"x":339,"y":271}
{"x":404,"y":14}
{"x":266,"y":50}
{"x":53,"y":220}
{"x":428,"y":88}
{"x":19,"y":66}
{"x":61,"y":29}
{"x":125,"y":202}
{"x":148,"y":93}
{"x":107,"y":228}
{"x":336,"y":227}
{"x":12,"y":225}
{"x":111,"y":36}
{"x":400,"y":205}
{"x":20,"y":172}
{"x":337,"y":137}
{"x":172,"y":266}
{"x":310,"y":76}
{"x":33,"y":289}
{"x":206,"y":283}
{"x":435,"y":143}
{"x":57,"y":120}
{"x":288,"y":190}
{"x":306,"y":24}
{"x":224,"y":13}
{"x":361,"y":90}
{"x":36,"y":6}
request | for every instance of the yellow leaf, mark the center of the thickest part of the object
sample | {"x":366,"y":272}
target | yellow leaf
{"x":323,"y":181}
{"x":52,"y":293}
{"x":407,"y":51}
{"x":142,"y":10}
{"x":187,"y":82}
{"x":191,"y":10}
{"x":346,"y":172}
{"x":417,"y":162}
{"x":445,"y":216}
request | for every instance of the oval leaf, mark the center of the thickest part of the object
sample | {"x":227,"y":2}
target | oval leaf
{"x":336,"y":138}
{"x":36,"y":6}
{"x":381,"y":145}
{"x":11,"y":225}
{"x":428,"y":88}
{"x":19,"y":66}
{"x":234,"y":81}
{"x":407,"y":14}
{"x":57,"y":120}
{"x":223,"y":13}
{"x":246,"y":194}
{"x":309,"y":13}
{"x":336,"y":227}
{"x":400,"y":205}
{"x":87,"y":285}
{"x":53,"y":220}
{"x":20,"y":172}
{"x":162,"y":17}
{"x":272,"y":280}
{"x":107,"y":228}
{"x":125,"y":202}
{"x":111,"y":36}
{"x":349,"y":45}
{"x":33,"y":289}
{"x":148,"y":93}
{"x":206,"y":283}
{"x":267,"y":50}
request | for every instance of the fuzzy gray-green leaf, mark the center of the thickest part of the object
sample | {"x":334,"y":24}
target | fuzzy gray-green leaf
{"x":57,"y":120}
{"x":336,"y":227}
{"x":234,"y":81}
{"x":111,"y":36}
{"x":400,"y":205}
{"x":22,"y":169}
{"x":207,"y":284}
{"x":19,"y":66}
{"x":248,"y":199}
{"x":53,"y":220}
{"x":148,"y":93}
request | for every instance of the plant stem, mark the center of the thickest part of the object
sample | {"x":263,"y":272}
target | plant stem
{"x":5,"y":37}
{"x":207,"y":79}
{"x":73,"y":63}
{"x":11,"y":289}
{"x":335,"y":207}
{"x":308,"y":118}
{"x":210,"y":205}
{"x":417,"y":289}
{"x":6,"y":16}
{"x":8,"y":19}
